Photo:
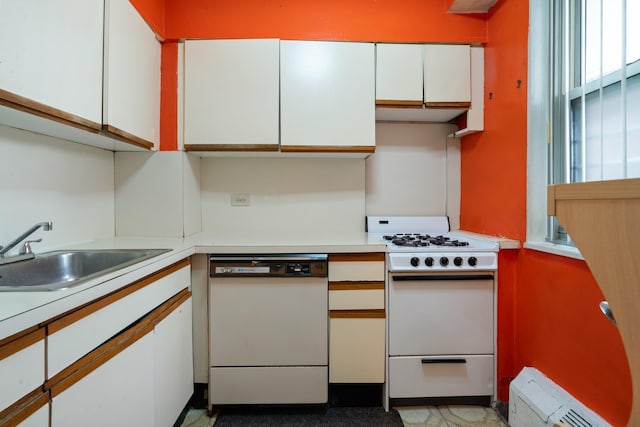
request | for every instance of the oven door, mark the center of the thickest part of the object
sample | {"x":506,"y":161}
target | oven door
{"x":441,"y":314}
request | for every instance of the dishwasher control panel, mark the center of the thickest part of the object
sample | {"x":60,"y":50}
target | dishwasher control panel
{"x":298,"y":265}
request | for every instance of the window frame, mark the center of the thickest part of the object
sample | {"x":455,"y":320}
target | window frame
{"x":549,"y":114}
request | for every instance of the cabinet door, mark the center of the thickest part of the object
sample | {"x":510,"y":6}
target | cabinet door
{"x":51,"y":57}
{"x":117,"y":393}
{"x":399,"y":74}
{"x":232,"y":95}
{"x":22,"y":363}
{"x":131,"y":76}
{"x":173,"y":364}
{"x":327,"y":96}
{"x":73,"y":336}
{"x":356,"y":349}
{"x":447,"y":76}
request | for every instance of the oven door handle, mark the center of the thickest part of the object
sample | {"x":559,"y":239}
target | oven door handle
{"x":432,"y":277}
{"x":456,"y":360}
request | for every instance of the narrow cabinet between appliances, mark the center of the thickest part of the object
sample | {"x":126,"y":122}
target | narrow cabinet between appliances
{"x":232,"y":90}
{"x":327,"y":96}
{"x":357,"y":318}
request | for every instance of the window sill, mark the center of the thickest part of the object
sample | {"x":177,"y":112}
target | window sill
{"x":552,"y":248}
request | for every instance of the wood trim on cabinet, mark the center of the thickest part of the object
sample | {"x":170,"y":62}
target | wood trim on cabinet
{"x":452,"y":105}
{"x":99,"y":356}
{"x":20,"y":341}
{"x":597,"y":190}
{"x":328,"y":149}
{"x":22,"y":409}
{"x":72,"y":316}
{"x":357,"y":314}
{"x":127,"y":137}
{"x":231,"y":147}
{"x":397,"y":103}
{"x":347,"y":257}
{"x":352,"y":286}
{"x":17,"y":102}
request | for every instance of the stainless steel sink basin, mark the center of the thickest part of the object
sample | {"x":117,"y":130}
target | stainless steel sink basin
{"x":59,"y":270}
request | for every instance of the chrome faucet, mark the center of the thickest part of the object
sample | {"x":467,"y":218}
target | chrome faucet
{"x":26,"y":252}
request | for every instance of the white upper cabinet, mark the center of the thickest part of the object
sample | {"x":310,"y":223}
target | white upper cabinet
{"x":131,"y":76}
{"x":327,"y":96}
{"x":399,"y":74}
{"x":434,"y":78}
{"x":231,"y":95}
{"x":53,"y":55}
{"x":447,"y":75}
{"x":51,"y":58}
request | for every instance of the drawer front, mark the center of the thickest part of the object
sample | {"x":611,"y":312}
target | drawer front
{"x":356,"y":350}
{"x":356,"y":299}
{"x":268,"y":385}
{"x":21,"y":372}
{"x":68,"y":344}
{"x":356,"y":271}
{"x":410,"y":377}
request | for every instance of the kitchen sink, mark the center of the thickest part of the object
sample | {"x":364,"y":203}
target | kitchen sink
{"x":58,"y":270}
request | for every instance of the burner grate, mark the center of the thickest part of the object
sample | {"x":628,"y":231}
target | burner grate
{"x":421,"y":240}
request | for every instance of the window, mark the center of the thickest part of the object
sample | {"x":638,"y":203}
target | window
{"x":590,"y":102}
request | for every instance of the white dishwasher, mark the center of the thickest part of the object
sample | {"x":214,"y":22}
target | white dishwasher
{"x":268,"y":330}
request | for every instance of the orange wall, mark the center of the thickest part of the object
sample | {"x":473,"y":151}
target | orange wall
{"x":547,"y":313}
{"x":364,"y":20}
{"x":548,"y":305}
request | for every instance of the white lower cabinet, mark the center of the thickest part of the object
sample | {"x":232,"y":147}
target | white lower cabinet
{"x":357,"y":350}
{"x":173,"y":364}
{"x":22,"y":363}
{"x":125,"y":359}
{"x":39,"y":418}
{"x":356,"y":318}
{"x":118,"y":393}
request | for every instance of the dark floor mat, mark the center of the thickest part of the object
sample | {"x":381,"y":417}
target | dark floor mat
{"x":339,"y":416}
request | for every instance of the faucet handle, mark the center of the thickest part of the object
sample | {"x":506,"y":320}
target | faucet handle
{"x":26,"y":247}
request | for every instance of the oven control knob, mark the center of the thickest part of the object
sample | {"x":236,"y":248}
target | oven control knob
{"x":473,"y":261}
{"x":444,"y":261}
{"x":428,"y":261}
{"x":457,"y":261}
{"x":415,"y":261}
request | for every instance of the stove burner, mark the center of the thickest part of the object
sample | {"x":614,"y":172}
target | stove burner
{"x":419,"y":240}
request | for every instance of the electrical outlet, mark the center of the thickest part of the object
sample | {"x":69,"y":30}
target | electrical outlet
{"x":240,"y":199}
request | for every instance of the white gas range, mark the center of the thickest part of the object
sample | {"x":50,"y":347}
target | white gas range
{"x":425,"y":243}
{"x":441,"y":319}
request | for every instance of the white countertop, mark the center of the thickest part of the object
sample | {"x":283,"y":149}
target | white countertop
{"x":21,"y":310}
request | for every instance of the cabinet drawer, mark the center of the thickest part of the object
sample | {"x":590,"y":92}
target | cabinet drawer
{"x":356,"y":299}
{"x":356,"y":350}
{"x":79,"y":332}
{"x":21,"y":366}
{"x":436,"y":376}
{"x":356,"y":271}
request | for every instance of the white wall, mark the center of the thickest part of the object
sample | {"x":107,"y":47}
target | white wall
{"x":406,"y":175}
{"x":292,"y":195}
{"x":157,"y":194}
{"x":47,"y":179}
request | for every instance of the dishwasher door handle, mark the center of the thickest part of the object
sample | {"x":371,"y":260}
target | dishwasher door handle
{"x":456,"y":360}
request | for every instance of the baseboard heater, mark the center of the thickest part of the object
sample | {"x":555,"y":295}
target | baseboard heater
{"x":535,"y":400}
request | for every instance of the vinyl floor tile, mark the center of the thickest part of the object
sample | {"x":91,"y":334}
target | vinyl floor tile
{"x":470,"y":416}
{"x":421,"y":416}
